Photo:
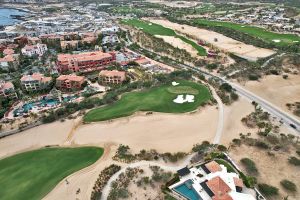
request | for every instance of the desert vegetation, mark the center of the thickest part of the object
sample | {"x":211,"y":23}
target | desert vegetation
{"x":102,"y":180}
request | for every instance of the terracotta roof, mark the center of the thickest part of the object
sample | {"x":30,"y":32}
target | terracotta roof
{"x":88,"y":56}
{"x":219,"y":188}
{"x":70,"y":77}
{"x":5,"y":85}
{"x":36,"y":77}
{"x":8,"y":58}
{"x":224,"y":197}
{"x":238,"y":182}
{"x":213,"y":166}
{"x":112,"y":73}
{"x":142,"y":61}
{"x":8,"y":51}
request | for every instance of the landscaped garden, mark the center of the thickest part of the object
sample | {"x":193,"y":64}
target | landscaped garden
{"x":156,"y":29}
{"x":278,"y":39}
{"x":157,"y":99}
{"x":31,"y":175}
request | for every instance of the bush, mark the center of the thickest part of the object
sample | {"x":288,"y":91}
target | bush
{"x":222,"y":148}
{"x":268,"y":190}
{"x":288,"y":185}
{"x":261,"y":144}
{"x":249,"y":165}
{"x":226,"y":87}
{"x":253,"y":77}
{"x":294,"y":161}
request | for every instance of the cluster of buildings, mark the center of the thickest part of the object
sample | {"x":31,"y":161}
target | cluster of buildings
{"x":210,"y":181}
{"x":84,"y":62}
{"x":272,"y":18}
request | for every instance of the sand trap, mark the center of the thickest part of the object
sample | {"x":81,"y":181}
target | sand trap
{"x":246,"y":51}
{"x":174,"y":83}
{"x":276,"y":41}
{"x":176,"y":42}
{"x":181,"y":100}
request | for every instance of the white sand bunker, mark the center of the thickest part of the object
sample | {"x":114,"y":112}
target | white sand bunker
{"x":276,"y":41}
{"x":175,"y":83}
{"x":188,"y":98}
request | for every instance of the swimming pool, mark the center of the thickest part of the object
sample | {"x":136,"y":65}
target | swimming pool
{"x":186,"y":189}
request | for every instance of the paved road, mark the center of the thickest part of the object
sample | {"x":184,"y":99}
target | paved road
{"x":285,"y":117}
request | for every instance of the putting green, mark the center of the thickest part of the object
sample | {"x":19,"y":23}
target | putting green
{"x":183,"y":90}
{"x":31,"y":175}
{"x":158,"y":99}
{"x":271,"y":37}
{"x":156,"y":29}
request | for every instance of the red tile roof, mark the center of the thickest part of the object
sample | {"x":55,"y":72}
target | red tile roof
{"x":238,"y":182}
{"x":88,"y":56}
{"x":219,"y":188}
{"x":70,"y":77}
{"x":213,"y":166}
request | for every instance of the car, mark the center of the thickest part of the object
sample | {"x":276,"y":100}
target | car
{"x":293,"y":126}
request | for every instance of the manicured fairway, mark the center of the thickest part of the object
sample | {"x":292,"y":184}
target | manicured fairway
{"x":285,"y":39}
{"x":158,"y":99}
{"x":31,"y":175}
{"x":156,"y":29}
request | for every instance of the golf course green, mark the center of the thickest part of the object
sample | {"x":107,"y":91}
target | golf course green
{"x":32,"y":175}
{"x":156,"y":29}
{"x":268,"y":36}
{"x":157,"y":99}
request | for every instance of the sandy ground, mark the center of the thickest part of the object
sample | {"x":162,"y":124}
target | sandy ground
{"x":175,"y":4}
{"x":277,"y":90}
{"x":146,"y":190}
{"x":232,"y":120}
{"x":176,"y":42}
{"x":271,"y":169}
{"x":163,"y":132}
{"x":224,"y":43}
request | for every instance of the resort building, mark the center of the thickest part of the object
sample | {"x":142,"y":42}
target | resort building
{"x":69,"y":82}
{"x":84,"y":62}
{"x":112,"y":77}
{"x":35,"y":82}
{"x":210,"y":181}
{"x":7,"y":90}
{"x":31,"y":50}
{"x":8,"y":62}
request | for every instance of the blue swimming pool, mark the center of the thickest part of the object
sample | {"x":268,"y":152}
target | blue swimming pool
{"x":187,"y":191}
{"x":40,"y":104}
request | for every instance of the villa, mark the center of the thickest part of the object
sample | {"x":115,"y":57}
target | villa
{"x":84,"y":62}
{"x":69,"y":82}
{"x":112,"y":77}
{"x":7,"y":90}
{"x":35,"y":82}
{"x":31,"y":50}
{"x":210,"y":181}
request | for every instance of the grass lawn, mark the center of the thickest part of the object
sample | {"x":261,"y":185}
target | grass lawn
{"x":285,"y":39}
{"x":31,"y":175}
{"x":158,"y":99}
{"x":156,"y":29}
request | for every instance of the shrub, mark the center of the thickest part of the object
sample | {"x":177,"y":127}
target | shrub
{"x":288,"y":185}
{"x":268,"y":190}
{"x":294,"y":161}
{"x":261,"y":144}
{"x":253,"y":77}
{"x":249,"y":165}
{"x":222,"y":148}
{"x":237,"y":141}
{"x":226,"y":87}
